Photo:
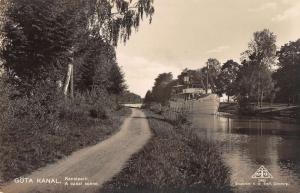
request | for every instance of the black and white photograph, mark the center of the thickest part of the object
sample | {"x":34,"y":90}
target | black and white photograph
{"x":149,"y":96}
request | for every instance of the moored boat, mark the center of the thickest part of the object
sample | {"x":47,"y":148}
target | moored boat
{"x":194,"y":101}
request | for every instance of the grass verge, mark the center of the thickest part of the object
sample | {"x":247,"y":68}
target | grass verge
{"x":26,"y":152}
{"x":174,"y":160}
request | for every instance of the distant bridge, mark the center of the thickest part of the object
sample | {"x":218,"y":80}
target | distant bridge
{"x":137,"y":106}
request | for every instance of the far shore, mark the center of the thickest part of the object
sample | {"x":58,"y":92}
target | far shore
{"x":280,"y":111}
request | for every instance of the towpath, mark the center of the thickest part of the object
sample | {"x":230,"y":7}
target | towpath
{"x":88,"y":169}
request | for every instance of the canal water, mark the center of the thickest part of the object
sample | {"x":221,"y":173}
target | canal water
{"x":249,"y":143}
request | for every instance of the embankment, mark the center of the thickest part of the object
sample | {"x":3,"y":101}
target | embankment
{"x":174,"y":160}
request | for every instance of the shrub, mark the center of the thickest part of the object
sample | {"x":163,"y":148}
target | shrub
{"x":41,"y":127}
{"x":30,"y":129}
{"x":94,"y":104}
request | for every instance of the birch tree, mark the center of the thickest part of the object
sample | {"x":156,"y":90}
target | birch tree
{"x":259,"y":59}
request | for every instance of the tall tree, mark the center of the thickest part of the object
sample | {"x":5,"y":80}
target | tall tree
{"x":211,"y":72}
{"x":258,"y":60}
{"x":287,"y":75}
{"x":148,"y":97}
{"x":93,"y":65}
{"x":35,"y":43}
{"x":116,"y":81}
{"x":253,"y":83}
{"x":161,"y":90}
{"x":261,"y":49}
{"x":226,"y":80}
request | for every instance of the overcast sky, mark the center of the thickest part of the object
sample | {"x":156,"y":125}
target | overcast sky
{"x":185,"y":33}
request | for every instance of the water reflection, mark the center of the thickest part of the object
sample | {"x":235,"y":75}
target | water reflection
{"x":248,"y":143}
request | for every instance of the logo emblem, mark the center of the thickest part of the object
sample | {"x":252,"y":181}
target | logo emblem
{"x":262,"y":173}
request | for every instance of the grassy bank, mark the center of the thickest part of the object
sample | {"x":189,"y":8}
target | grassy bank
{"x":37,"y":136}
{"x":174,"y":160}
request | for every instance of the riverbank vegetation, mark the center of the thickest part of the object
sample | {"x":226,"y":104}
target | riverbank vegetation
{"x":43,"y":128}
{"x":174,"y":160}
{"x":60,"y":80}
{"x":265,"y":75}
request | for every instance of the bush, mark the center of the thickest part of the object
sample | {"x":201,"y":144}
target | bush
{"x":94,"y":104}
{"x":30,"y":129}
{"x":44,"y":126}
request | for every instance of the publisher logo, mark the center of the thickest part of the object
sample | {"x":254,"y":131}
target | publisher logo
{"x":261,"y":177}
{"x":262,"y":173}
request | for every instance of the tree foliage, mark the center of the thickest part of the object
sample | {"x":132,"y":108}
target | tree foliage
{"x":211,"y":71}
{"x":116,"y":84}
{"x":42,"y":36}
{"x":226,"y":81}
{"x":255,"y":81}
{"x":36,"y":38}
{"x":148,"y":97}
{"x":261,"y":49}
{"x":129,"y":98}
{"x":287,"y":75}
{"x":162,"y":88}
{"x":93,"y":65}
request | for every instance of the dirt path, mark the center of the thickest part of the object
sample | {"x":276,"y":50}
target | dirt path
{"x":96,"y":164}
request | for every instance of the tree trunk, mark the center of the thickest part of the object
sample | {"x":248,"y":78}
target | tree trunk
{"x":202,"y":84}
{"x":212,"y":85}
{"x":228,"y":98}
{"x":72,"y":83}
{"x":258,"y":90}
{"x":68,"y":78}
{"x":258,"y":98}
{"x":261,"y":98}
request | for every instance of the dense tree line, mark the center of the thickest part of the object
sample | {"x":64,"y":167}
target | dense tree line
{"x":130,"y":98}
{"x":265,"y":74}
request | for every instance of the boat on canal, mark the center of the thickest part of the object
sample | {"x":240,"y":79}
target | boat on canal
{"x":191,"y":98}
{"x":194,"y":101}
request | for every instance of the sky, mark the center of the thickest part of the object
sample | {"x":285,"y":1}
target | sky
{"x":185,"y":33}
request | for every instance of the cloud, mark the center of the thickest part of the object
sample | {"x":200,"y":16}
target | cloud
{"x":218,"y":49}
{"x":263,"y":7}
{"x":290,"y":13}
